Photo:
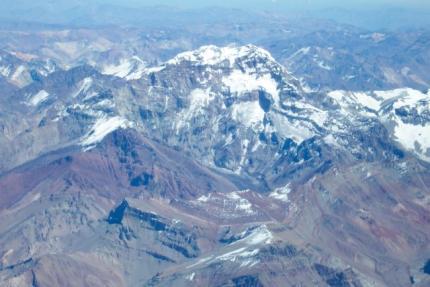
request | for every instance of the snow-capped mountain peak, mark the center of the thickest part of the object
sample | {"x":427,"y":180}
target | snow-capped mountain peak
{"x":405,"y":113}
{"x":129,"y":69}
{"x":213,"y":55}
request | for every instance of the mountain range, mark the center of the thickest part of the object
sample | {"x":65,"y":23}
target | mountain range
{"x":217,"y":167}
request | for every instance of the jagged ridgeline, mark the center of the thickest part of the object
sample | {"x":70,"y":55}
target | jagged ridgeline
{"x":218,"y":167}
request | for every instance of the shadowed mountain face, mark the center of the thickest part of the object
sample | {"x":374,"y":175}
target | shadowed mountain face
{"x":217,"y":167}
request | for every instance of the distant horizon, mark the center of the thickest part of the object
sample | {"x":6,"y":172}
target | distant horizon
{"x":283,"y":4}
{"x":380,"y":14}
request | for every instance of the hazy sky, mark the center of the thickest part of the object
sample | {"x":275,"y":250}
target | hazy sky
{"x":298,"y":4}
{"x":364,"y":13}
{"x":244,"y":4}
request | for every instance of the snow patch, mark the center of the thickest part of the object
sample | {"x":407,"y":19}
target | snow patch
{"x":313,"y":113}
{"x":17,"y":74}
{"x":324,"y":66}
{"x":348,"y":99}
{"x":240,"y":254}
{"x":375,"y":37}
{"x":259,"y":235}
{"x":301,"y":51}
{"x":409,"y":97}
{"x":204,"y":198}
{"x":250,"y":114}
{"x":245,"y":145}
{"x":38,"y":98}
{"x":5,"y":258}
{"x":85,"y":86}
{"x":5,"y":71}
{"x":190,"y":277}
{"x":239,"y":203}
{"x":414,"y":138}
{"x":200,"y":261}
{"x":367,"y":101}
{"x":331,"y":140}
{"x":240,"y":82}
{"x":154,"y":69}
{"x":103,"y":127}
{"x":36,"y":197}
{"x":296,"y":130}
{"x":281,"y":193}
{"x":129,"y":69}
{"x":198,"y":100}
